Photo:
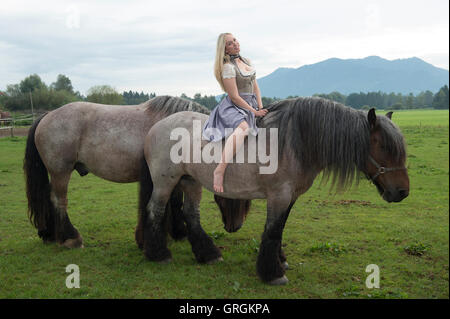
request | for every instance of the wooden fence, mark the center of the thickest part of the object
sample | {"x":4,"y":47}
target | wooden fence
{"x":13,"y":122}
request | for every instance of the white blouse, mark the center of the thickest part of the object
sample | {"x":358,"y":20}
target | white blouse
{"x":230,"y":72}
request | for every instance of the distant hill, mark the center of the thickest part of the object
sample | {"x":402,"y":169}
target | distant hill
{"x":370,"y":74}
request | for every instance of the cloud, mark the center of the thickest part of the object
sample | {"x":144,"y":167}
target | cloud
{"x":168,"y":47}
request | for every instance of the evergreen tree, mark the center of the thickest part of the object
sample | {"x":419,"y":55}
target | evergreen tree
{"x":133,"y":98}
{"x":440,"y":100}
{"x":428,"y":99}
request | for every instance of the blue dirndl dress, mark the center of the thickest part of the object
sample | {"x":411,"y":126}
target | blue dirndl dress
{"x":227,"y":116}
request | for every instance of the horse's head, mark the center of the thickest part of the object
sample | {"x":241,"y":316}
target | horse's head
{"x":234,"y":212}
{"x":386,"y":163}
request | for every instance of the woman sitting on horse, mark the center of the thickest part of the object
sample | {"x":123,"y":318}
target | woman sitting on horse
{"x":237,"y":111}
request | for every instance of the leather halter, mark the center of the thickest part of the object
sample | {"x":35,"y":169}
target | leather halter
{"x":382,"y":170}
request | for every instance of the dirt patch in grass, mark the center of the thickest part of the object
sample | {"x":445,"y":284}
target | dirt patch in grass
{"x":345,"y":202}
{"x":354,"y":202}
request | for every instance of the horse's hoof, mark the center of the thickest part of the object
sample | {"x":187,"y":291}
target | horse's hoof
{"x":279,"y":281}
{"x":211,"y":262}
{"x":285,"y":265}
{"x":73,"y":243}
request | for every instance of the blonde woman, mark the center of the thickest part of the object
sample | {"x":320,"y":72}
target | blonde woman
{"x":237,"y":111}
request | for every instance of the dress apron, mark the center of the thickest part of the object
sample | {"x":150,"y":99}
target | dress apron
{"x":226,"y":116}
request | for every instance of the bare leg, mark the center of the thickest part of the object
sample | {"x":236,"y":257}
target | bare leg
{"x":233,"y":143}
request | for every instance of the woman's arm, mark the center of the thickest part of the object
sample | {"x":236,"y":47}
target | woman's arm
{"x":258,"y":94}
{"x":231,"y":88}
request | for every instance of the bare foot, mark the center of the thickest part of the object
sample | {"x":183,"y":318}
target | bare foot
{"x":218,"y":181}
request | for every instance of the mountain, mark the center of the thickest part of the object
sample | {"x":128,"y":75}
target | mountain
{"x":370,"y":74}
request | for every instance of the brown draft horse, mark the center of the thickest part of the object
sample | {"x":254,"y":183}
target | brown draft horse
{"x":314,"y":135}
{"x":107,"y":141}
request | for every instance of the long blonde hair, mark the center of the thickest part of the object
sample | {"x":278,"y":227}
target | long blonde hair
{"x":221,"y":59}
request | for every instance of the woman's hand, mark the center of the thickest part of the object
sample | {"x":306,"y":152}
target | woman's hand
{"x":260,"y":112}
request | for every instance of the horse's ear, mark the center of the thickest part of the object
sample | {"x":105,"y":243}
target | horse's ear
{"x":389,"y":115}
{"x":372,"y":117}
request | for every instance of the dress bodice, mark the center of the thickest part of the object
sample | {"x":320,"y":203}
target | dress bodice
{"x":244,"y":81}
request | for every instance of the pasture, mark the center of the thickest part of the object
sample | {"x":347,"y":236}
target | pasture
{"x":329,"y":239}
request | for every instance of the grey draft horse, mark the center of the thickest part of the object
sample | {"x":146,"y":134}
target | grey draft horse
{"x":314,"y":135}
{"x":107,"y":141}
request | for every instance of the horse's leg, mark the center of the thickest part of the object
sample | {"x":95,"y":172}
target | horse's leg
{"x":65,"y":233}
{"x":271,"y":259}
{"x":176,"y":226}
{"x":174,"y":215}
{"x":175,"y":222}
{"x":155,"y":234}
{"x":202,"y":245}
{"x":282,"y":256}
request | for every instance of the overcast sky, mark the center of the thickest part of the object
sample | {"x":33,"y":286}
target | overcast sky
{"x":168,"y":47}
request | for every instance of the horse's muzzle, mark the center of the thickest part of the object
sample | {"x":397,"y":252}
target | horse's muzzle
{"x":232,"y":227}
{"x":396,"y":195}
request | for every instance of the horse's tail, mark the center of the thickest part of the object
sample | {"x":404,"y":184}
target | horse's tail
{"x":40,"y":208}
{"x":234,"y":212}
{"x":174,"y":211}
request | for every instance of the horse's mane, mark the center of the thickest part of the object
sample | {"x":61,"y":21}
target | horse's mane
{"x":326,"y":135}
{"x":170,"y":104}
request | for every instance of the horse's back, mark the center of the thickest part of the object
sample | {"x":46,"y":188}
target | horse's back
{"x":181,"y":132}
{"x":182,"y":119}
{"x":69,"y":121}
{"x":104,"y":138}
{"x":86,"y":110}
{"x":173,"y":124}
{"x":167,"y":132}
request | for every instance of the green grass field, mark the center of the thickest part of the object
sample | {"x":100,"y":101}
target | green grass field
{"x":329,"y":239}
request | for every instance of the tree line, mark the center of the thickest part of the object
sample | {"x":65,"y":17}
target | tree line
{"x":33,"y":91}
{"x":393,"y":101}
{"x":381,"y":100}
{"x":18,"y":97}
